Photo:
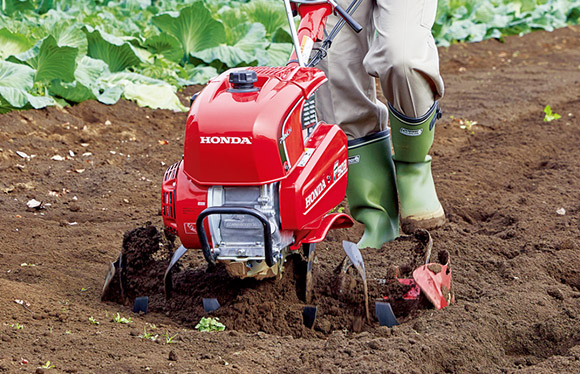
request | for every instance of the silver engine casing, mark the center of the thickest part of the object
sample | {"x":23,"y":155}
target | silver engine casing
{"x":240,"y":237}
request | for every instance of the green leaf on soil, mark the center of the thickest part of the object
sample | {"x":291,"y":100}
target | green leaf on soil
{"x":550,"y":116}
{"x":210,"y":324}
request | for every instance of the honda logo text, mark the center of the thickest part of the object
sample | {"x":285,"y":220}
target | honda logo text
{"x":224,"y":140}
{"x":315,"y":194}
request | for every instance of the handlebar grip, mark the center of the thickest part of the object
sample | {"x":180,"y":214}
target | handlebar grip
{"x":347,"y":18}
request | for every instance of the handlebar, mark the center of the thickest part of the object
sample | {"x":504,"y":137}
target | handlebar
{"x":346,"y":16}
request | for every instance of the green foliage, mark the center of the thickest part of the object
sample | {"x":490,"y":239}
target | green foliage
{"x":148,"y":335}
{"x":17,"y":326}
{"x":50,"y":60}
{"x":549,"y":115}
{"x":169,"y":338}
{"x":12,"y":43}
{"x":16,"y":81}
{"x":47,"y":366}
{"x":194,"y":27}
{"x":72,"y":51}
{"x":210,"y":324}
{"x":120,"y":319}
{"x":476,"y":20}
{"x":118,"y":54}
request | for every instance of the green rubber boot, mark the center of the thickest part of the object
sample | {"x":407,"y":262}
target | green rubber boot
{"x":412,"y":140}
{"x":371,"y":189}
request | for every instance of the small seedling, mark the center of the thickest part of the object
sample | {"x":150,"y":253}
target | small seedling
{"x":47,"y":366}
{"x":120,"y":319}
{"x":68,"y":332}
{"x":17,"y":326}
{"x":210,"y":324}
{"x":148,"y":336}
{"x":550,"y":116}
{"x":84,"y":289}
{"x":169,"y":339}
{"x":93,"y":321}
{"x":467,"y":124}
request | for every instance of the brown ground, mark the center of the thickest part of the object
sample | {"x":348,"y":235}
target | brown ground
{"x":502,"y":183}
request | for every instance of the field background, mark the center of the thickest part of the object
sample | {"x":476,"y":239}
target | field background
{"x":509,"y":182}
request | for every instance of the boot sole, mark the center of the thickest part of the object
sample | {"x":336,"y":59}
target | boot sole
{"x":426,"y":222}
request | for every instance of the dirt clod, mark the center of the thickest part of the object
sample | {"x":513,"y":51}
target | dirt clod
{"x":556,"y":293}
{"x":435,"y":268}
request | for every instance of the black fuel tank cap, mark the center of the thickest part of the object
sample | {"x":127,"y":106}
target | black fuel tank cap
{"x":243,"y":81}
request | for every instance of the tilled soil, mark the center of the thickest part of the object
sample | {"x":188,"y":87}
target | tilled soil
{"x":509,"y":182}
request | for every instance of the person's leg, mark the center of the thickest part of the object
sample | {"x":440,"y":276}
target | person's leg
{"x":405,"y":59}
{"x":349,"y":100}
{"x":371,"y":189}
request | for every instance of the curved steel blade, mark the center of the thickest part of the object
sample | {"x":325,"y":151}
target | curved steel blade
{"x":168,"y":283}
{"x":353,"y":253}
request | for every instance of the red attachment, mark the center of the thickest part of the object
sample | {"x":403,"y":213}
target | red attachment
{"x":413,"y":293}
{"x":435,"y":282}
{"x":168,"y":198}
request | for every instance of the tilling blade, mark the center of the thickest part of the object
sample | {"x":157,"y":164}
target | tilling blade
{"x":167,"y":282}
{"x":309,"y":316}
{"x":141,"y":304}
{"x":210,"y":305}
{"x":309,"y":282}
{"x":108,"y":279}
{"x":115,"y":271}
{"x":385,"y":314}
{"x":355,"y":256}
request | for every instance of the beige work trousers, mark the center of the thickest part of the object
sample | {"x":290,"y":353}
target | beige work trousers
{"x":396,"y":46}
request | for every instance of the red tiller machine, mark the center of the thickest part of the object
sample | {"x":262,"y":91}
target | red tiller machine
{"x":260,"y":172}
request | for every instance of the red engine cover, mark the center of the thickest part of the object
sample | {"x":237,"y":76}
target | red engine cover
{"x":181,"y":202}
{"x":318,"y":182}
{"x":248,"y":138}
{"x":256,"y":138}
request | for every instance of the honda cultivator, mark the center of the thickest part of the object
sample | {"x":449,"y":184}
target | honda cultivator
{"x":260,"y":173}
